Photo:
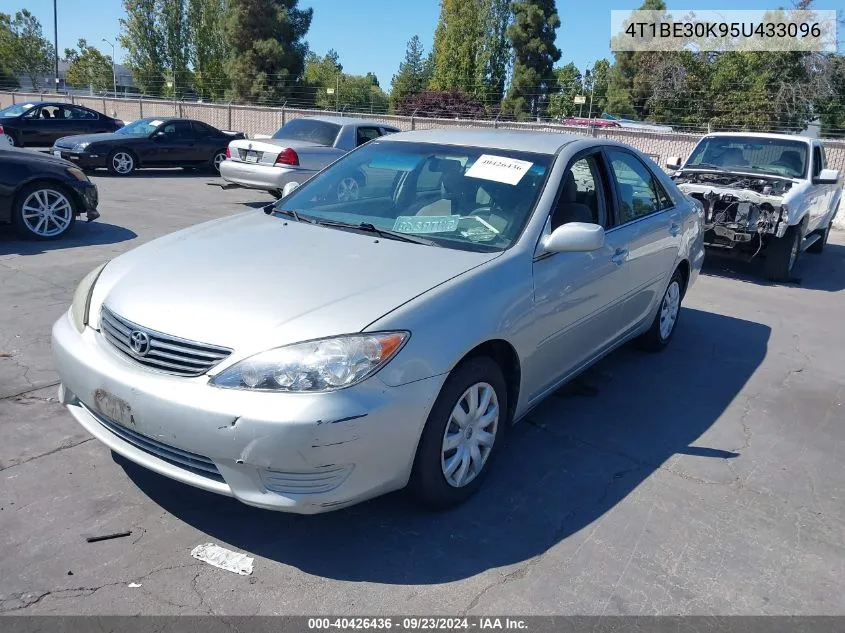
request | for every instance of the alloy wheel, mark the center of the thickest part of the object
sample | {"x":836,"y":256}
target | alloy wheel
{"x":470,"y":434}
{"x":123,"y":162}
{"x":218,"y":159}
{"x":47,"y":213}
{"x":347,"y":190}
{"x":669,"y":309}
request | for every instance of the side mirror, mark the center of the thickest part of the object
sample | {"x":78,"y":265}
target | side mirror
{"x":574,"y":237}
{"x":827,"y":177}
{"x":289,"y":188}
{"x":157,"y":136}
{"x":674,"y":162}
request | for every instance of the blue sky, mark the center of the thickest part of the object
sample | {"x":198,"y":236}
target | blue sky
{"x":370,"y":35}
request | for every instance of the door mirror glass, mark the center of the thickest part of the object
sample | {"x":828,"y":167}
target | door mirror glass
{"x":158,"y":135}
{"x":289,"y":189}
{"x":574,"y":237}
{"x":673,"y":162}
{"x":827,"y":177}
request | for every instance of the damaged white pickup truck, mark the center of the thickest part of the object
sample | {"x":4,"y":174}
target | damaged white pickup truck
{"x":763,"y":194}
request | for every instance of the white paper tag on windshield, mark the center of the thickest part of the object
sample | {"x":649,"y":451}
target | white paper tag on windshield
{"x":426,"y":223}
{"x":156,"y":123}
{"x":498,"y":168}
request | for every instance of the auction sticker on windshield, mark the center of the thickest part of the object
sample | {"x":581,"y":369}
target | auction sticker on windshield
{"x":426,"y":224}
{"x":499,"y":169}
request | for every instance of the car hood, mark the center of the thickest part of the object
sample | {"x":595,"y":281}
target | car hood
{"x":70,"y":141}
{"x":254,"y":281}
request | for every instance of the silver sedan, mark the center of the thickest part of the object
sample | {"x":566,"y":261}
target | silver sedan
{"x":325,"y":352}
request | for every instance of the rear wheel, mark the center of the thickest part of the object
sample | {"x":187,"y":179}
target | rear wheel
{"x":43,"y":211}
{"x":782,"y":254}
{"x":121,"y":162}
{"x":663,"y":327}
{"x":463,"y":432}
{"x":217,"y":159}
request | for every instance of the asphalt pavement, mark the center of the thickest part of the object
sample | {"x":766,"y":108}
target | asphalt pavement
{"x":706,"y":479}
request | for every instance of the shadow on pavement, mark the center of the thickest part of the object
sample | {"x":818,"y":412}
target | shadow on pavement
{"x":571,"y":461}
{"x":82,"y":234}
{"x":824,"y":271}
{"x":152,"y":172}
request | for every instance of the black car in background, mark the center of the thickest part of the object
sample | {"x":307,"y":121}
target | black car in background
{"x":41,"y":195}
{"x":150,"y":142}
{"x":40,"y":123}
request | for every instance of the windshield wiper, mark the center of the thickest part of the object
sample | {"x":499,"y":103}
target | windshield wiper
{"x":707,"y":166}
{"x":290,"y":213}
{"x":368,"y":227}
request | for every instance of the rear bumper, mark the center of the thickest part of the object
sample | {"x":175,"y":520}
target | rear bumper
{"x":267,"y":178}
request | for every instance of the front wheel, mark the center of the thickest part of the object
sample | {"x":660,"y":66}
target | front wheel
{"x":462,"y":434}
{"x":43,"y":212}
{"x":782,"y":254}
{"x":121,"y":162}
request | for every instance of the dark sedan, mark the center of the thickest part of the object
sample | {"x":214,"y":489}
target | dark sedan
{"x":41,"y":196}
{"x":40,"y":123}
{"x":149,"y":142}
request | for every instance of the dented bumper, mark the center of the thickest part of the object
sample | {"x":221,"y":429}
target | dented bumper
{"x":737,"y":215}
{"x":303,"y":453}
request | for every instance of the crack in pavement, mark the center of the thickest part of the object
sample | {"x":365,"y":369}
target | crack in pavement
{"x":52,"y":452}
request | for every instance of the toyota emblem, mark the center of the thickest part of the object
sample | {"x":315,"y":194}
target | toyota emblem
{"x":139,"y":342}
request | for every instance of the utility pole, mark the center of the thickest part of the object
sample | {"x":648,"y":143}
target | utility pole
{"x":337,"y":94}
{"x":113,"y":73}
{"x":56,"y":42}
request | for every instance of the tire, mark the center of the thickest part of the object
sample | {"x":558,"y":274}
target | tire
{"x":349,"y":188}
{"x":219,"y":157}
{"x":818,"y":246}
{"x":782,"y":254}
{"x":429,"y":479}
{"x":120,"y":157}
{"x":665,"y":322}
{"x":16,"y":141}
{"x":43,"y":211}
{"x":276,"y":193}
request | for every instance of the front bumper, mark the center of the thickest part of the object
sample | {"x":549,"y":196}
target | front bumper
{"x":88,"y":198}
{"x":303,"y":453}
{"x":265,"y":177}
{"x":84,"y":159}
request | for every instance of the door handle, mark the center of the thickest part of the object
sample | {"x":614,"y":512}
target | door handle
{"x":620,"y":256}
{"x":674,"y":229}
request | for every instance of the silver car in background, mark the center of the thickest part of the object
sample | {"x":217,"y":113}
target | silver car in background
{"x":325,"y":352}
{"x":297,"y":151}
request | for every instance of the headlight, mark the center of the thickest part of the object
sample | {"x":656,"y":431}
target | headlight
{"x":80,"y":147}
{"x":82,"y":298}
{"x":322,"y":365}
{"x":77,"y":173}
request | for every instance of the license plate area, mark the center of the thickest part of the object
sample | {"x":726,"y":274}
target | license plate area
{"x":113,"y":408}
{"x":252,"y":156}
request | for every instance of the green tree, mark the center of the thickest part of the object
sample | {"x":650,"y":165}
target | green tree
{"x":596,"y":87}
{"x":457,"y":45}
{"x":570,"y":83}
{"x":208,"y":47}
{"x":268,"y":52}
{"x":30,"y":53}
{"x":88,"y":67}
{"x":532,"y":36}
{"x":144,"y":43}
{"x":831,"y":109}
{"x":361,"y":93}
{"x":494,"y":51}
{"x":172,"y":19}
{"x":7,"y":76}
{"x":320,"y":75}
{"x":411,"y":77}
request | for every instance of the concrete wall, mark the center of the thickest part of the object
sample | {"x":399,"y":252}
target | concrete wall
{"x":265,"y":120}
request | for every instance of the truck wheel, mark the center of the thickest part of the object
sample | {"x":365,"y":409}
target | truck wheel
{"x":782,"y":254}
{"x":818,"y":246}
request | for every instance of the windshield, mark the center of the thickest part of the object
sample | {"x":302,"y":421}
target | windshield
{"x":779,"y":157}
{"x":16,"y":110}
{"x":457,"y":197}
{"x":141,"y":127}
{"x":312,"y":130}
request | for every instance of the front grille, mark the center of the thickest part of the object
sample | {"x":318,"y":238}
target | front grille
{"x":165,"y":353}
{"x":192,"y":462}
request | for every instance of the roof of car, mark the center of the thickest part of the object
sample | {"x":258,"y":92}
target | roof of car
{"x":770,"y":135}
{"x":346,"y":120}
{"x":514,"y":140}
